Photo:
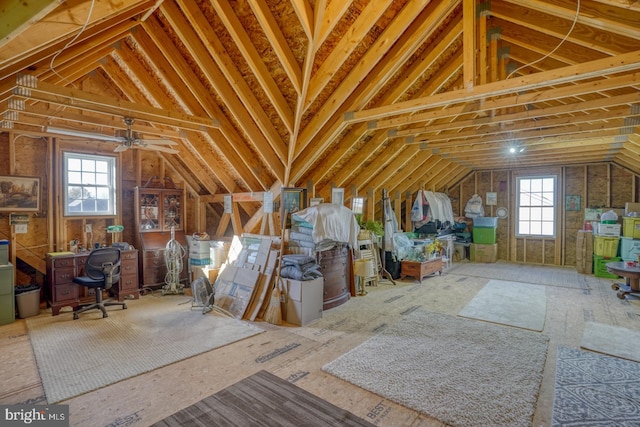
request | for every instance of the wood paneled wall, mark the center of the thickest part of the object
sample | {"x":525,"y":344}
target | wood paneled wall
{"x":602,"y":185}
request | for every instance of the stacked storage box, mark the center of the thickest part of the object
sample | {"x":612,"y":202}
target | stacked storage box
{"x":631,"y":227}
{"x":484,"y":247}
{"x":199,"y":252}
{"x":605,"y":244}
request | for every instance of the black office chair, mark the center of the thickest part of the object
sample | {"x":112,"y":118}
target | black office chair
{"x":102,"y":270}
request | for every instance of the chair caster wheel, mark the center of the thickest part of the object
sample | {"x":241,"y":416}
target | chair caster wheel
{"x":615,"y":286}
{"x":75,"y":316}
{"x":621,"y":294}
{"x":104,"y":315}
{"x":124,"y":307}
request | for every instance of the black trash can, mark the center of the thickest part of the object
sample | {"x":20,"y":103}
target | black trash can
{"x":28,"y":300}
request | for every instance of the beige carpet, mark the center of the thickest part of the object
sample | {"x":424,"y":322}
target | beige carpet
{"x":613,"y":340}
{"x":563,"y":277}
{"x":509,"y":303}
{"x":77,"y":356}
{"x":493,"y":372}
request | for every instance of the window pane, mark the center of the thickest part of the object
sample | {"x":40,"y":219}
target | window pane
{"x":536,"y":228}
{"x":88,"y":178}
{"x":536,"y":206}
{"x":547,"y":199}
{"x":90,"y":184}
{"x":88,"y":165}
{"x":536,"y":214}
{"x":102,"y":167}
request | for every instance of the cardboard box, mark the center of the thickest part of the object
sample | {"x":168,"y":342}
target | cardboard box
{"x":198,"y":248}
{"x":608,"y":229}
{"x":304,"y":300}
{"x":584,"y":252}
{"x":631,"y":207}
{"x":484,"y":253}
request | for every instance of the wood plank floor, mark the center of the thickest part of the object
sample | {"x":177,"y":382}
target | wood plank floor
{"x":298,"y":354}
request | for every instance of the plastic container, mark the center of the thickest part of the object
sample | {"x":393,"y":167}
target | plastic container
{"x":600,"y":266}
{"x":4,"y":252}
{"x":609,"y":217}
{"x":629,"y":249}
{"x":485,"y":221}
{"x":606,"y":246}
{"x":484,"y":235}
{"x":28,"y":300}
{"x":631,"y":227}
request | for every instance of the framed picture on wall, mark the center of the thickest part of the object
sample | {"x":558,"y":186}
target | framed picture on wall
{"x":315,"y":201}
{"x":572,"y":203}
{"x":292,"y":200}
{"x":492,"y":198}
{"x":19,"y":193}
{"x":337,"y":196}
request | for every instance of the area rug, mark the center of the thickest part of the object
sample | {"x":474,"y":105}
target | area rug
{"x":563,"y":277}
{"x":77,"y":356}
{"x":462,"y":372}
{"x":509,"y":303}
{"x":595,"y":390}
{"x":613,"y":340}
{"x":263,"y":400}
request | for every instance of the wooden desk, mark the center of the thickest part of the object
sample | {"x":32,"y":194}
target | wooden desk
{"x":420,"y":270}
{"x":62,"y":269}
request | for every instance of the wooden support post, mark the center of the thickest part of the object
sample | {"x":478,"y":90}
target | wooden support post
{"x":408,"y":203}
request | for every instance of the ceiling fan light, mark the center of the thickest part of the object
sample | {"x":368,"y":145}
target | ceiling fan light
{"x":82,"y":134}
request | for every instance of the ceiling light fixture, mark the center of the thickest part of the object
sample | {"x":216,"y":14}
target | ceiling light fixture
{"x":82,"y":134}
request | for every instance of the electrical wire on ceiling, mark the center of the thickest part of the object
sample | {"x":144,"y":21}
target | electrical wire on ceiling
{"x":60,"y":108}
{"x":84,"y":27}
{"x":575,"y":20}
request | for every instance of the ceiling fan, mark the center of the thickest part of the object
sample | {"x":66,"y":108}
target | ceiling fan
{"x":127,"y":139}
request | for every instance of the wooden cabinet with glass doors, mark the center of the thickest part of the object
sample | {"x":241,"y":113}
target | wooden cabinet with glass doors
{"x":159,"y":211}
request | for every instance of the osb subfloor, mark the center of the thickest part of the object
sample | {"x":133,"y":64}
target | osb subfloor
{"x":298,"y":354}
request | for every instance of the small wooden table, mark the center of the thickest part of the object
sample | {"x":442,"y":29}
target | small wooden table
{"x":631,"y":275}
{"x":420,"y":270}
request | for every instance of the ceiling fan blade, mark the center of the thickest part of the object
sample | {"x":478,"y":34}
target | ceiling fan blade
{"x":155,"y":141}
{"x":157,"y":148}
{"x":120,"y":148}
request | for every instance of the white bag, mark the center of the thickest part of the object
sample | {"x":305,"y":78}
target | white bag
{"x":474,"y":207}
{"x":418,"y":211}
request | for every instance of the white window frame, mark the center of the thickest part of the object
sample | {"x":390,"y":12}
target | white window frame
{"x":93,"y":181}
{"x":537,"y":207}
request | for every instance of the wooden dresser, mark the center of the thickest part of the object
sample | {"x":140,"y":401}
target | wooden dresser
{"x":153,"y":267}
{"x":336,"y":270}
{"x":63,"y":268}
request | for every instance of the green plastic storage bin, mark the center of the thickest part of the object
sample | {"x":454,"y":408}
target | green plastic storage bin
{"x":484,"y":235}
{"x":600,"y":266}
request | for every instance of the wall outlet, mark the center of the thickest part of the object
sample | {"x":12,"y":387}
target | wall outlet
{"x":87,"y":228}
